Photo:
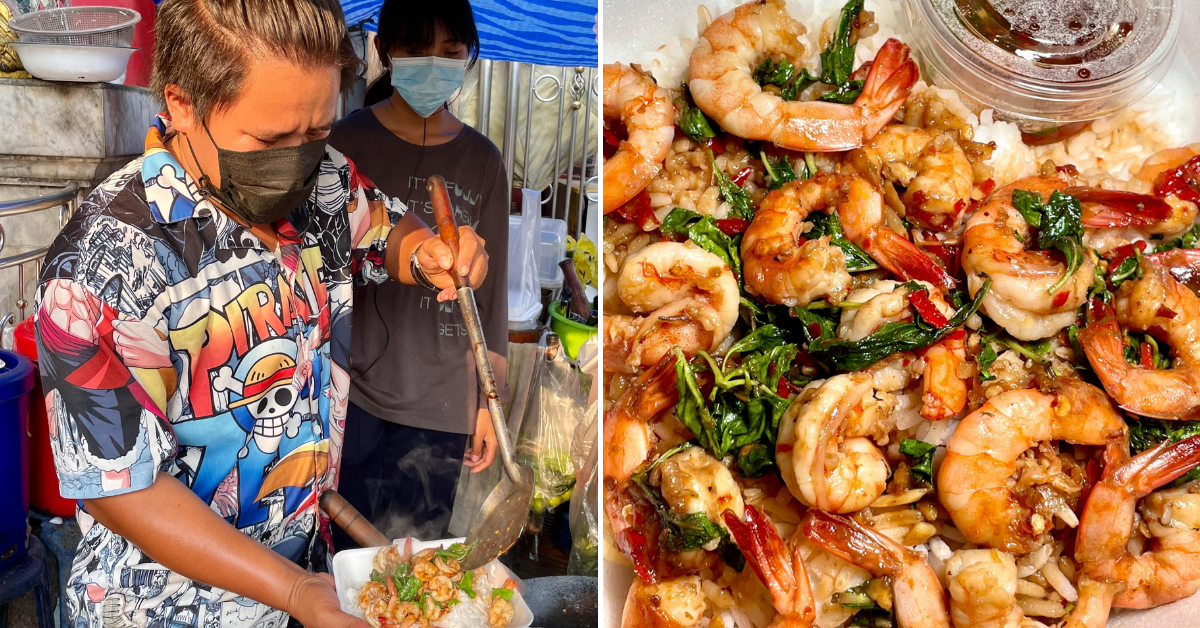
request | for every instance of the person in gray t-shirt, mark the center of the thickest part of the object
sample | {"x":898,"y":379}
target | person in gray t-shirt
{"x":407,"y":427}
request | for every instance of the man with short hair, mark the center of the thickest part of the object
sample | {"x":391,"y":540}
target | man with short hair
{"x":193,"y":327}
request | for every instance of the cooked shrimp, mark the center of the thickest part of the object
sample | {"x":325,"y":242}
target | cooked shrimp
{"x":974,"y":482}
{"x":1152,"y":178}
{"x":649,"y":118}
{"x":782,"y":269}
{"x":1020,"y":299}
{"x":1170,"y":568}
{"x":933,"y":169}
{"x":424,"y":569}
{"x":1155,"y":302}
{"x":983,"y":593}
{"x":886,"y":301}
{"x":695,"y":482}
{"x":723,"y":86}
{"x":690,"y":294}
{"x":500,"y":613}
{"x":448,"y":566}
{"x":677,"y":603}
{"x":440,"y":587}
{"x":779,"y":565}
{"x":918,"y":596}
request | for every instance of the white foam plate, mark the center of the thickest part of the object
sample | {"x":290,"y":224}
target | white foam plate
{"x":352,"y":569}
{"x":632,"y":27}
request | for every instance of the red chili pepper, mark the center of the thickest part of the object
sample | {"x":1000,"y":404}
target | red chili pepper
{"x":919,"y":198}
{"x":1147,"y":361}
{"x":947,"y":254}
{"x":1166,"y":312}
{"x":814,"y":329}
{"x":717,"y":146}
{"x":639,"y":211}
{"x":919,"y":299}
{"x":1183,"y":182}
{"x":987,"y":187}
{"x":611,"y":138}
{"x":783,"y":448}
{"x":634,"y":544}
{"x":800,"y":240}
{"x":1122,"y":252}
{"x":1060,"y":299}
{"x":742,"y":175}
{"x":783,"y":389}
{"x":733,"y":226}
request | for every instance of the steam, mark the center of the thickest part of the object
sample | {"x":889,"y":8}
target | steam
{"x":413,"y":501}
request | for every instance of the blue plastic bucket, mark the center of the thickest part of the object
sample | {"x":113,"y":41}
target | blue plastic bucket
{"x":16,"y":380}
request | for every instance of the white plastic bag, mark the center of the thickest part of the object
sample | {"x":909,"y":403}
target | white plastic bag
{"x":524,"y":289}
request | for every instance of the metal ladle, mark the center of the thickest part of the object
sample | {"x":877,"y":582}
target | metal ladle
{"x":499,"y":522}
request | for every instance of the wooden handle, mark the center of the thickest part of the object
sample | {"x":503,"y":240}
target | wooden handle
{"x":349,"y":519}
{"x":443,"y":212}
{"x":579,"y":301}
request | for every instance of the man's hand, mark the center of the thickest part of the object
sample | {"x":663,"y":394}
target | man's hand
{"x":483,"y":446}
{"x":436,"y":260}
{"x":314,"y":603}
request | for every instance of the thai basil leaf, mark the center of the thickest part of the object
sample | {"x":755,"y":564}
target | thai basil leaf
{"x":1059,"y":224}
{"x":502,"y":592}
{"x":830,"y":225}
{"x":986,"y":359}
{"x":850,"y":355}
{"x":780,"y":172}
{"x":692,"y":120}
{"x":466,"y":584}
{"x":920,"y":455}
{"x":1186,"y":241}
{"x":755,"y":460}
{"x":740,"y":203}
{"x":684,"y":532}
{"x":844,"y":93}
{"x":837,"y":61}
{"x":1147,"y":433}
{"x":457,"y":551}
{"x":407,"y":588}
{"x":704,"y":232}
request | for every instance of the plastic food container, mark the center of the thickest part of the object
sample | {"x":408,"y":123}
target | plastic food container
{"x":64,"y":62}
{"x":352,"y":569}
{"x":16,"y":380}
{"x":1045,"y":63}
{"x":552,"y":251}
{"x":570,"y":333}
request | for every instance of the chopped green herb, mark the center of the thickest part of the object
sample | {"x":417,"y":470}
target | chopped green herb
{"x":1186,"y":241}
{"x":407,"y":588}
{"x":755,"y":460}
{"x":704,"y":232}
{"x":920,"y":455}
{"x":1129,"y":268}
{"x":692,"y":120}
{"x":502,"y":592}
{"x":457,"y":551}
{"x":855,"y":597}
{"x":1059,"y":224}
{"x":376,"y":576}
{"x":845,"y":93}
{"x":986,"y":359}
{"x":780,"y":172}
{"x":740,"y":203}
{"x":466,"y":584}
{"x":831,"y":225}
{"x":837,"y":61}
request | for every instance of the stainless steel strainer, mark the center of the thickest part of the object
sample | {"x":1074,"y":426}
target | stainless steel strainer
{"x":78,"y":26}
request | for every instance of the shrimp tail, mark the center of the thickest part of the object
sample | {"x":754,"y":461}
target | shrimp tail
{"x":1104,"y":345}
{"x":887,"y":86}
{"x":768,"y":555}
{"x":851,"y":541}
{"x":1155,"y":467}
{"x":1181,"y":263}
{"x":903,"y":258}
{"x":1117,"y":208}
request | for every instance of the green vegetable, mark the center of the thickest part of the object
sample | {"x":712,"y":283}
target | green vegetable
{"x":1099,"y":289}
{"x":1148,"y":433}
{"x":855,"y":597}
{"x":783,"y":74}
{"x":837,"y":61}
{"x":847,"y":355}
{"x":817,"y":324}
{"x":457,"y":551}
{"x":466,"y":584}
{"x":376,"y":576}
{"x":755,"y":460}
{"x":704,"y":232}
{"x":920,"y":454}
{"x":830,"y":225}
{"x":780,"y":172}
{"x":692,"y":120}
{"x":1059,"y":224}
{"x":407,"y":587}
{"x":452,"y":601}
{"x":1133,"y":351}
{"x":986,"y":359}
{"x":1186,"y":241}
{"x":684,"y":532}
{"x":740,"y":203}
{"x":844,"y":93}
{"x":501,"y":592}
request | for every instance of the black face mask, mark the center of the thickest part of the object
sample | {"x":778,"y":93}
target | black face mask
{"x":262,"y":186}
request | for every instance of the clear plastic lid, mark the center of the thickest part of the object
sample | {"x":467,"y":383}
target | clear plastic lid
{"x":1046,"y":61}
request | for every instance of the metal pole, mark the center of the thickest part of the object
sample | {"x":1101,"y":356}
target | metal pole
{"x":587,"y":129}
{"x":511,"y":115}
{"x":575,"y":106}
{"x":485,"y":95}
{"x":525,"y":180}
{"x":562,"y":98}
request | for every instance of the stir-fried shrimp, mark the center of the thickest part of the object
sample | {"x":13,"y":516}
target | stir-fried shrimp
{"x":500,"y":613}
{"x":677,"y":603}
{"x":933,"y":169}
{"x":975,"y":480}
{"x":779,"y":565}
{"x":723,"y":86}
{"x":983,"y":593}
{"x":1020,"y":299}
{"x":1169,"y":569}
{"x":690,"y":297}
{"x":783,"y":267}
{"x":649,"y":118}
{"x":944,"y":382}
{"x":1158,"y":303}
{"x":1155,"y":177}
{"x":916,"y":592}
{"x":692,"y":481}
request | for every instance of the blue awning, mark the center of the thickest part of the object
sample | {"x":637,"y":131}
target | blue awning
{"x":547,"y":32}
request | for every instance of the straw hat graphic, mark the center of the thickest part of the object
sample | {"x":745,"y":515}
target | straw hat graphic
{"x":267,"y":374}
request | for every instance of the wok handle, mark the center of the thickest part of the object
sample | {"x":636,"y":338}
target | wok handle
{"x":349,"y":519}
{"x":443,"y":213}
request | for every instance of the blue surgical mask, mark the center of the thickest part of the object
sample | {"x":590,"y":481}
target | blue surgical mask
{"x":426,"y":83}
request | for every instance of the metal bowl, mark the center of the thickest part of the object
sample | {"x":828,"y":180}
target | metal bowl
{"x":85,"y":64}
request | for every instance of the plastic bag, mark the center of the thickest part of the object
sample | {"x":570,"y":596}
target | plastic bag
{"x":585,"y":529}
{"x":544,"y":444}
{"x":524,"y":289}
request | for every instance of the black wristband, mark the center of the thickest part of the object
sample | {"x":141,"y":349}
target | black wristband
{"x":418,"y":273}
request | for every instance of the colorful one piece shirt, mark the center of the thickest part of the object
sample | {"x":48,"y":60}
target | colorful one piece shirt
{"x":174,"y":340}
